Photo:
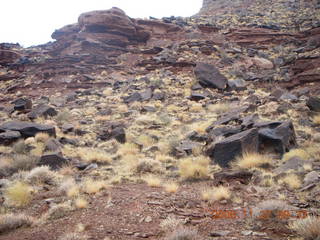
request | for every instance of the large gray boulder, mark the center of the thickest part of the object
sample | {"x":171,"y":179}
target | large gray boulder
{"x":9,"y":137}
{"x":27,"y":129}
{"x":225,"y":151}
{"x":209,"y":76}
{"x":280,"y":136}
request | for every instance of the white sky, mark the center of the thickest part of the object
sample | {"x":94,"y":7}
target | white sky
{"x":31,"y":22}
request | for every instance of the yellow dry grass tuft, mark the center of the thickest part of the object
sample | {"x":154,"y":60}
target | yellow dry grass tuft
{"x":18,"y":194}
{"x":219,"y":108}
{"x":41,"y":137}
{"x":308,"y":228}
{"x":9,"y":222}
{"x":301,"y":153}
{"x":145,"y":140}
{"x":194,"y":168}
{"x":216,"y":194}
{"x":316,"y":119}
{"x":94,"y":155}
{"x":171,"y":187}
{"x":153,"y":181}
{"x":81,"y":203}
{"x":292,"y":181}
{"x":91,"y":186}
{"x":128,"y":148}
{"x":252,"y":160}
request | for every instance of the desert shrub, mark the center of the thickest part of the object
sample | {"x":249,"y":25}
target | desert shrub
{"x":308,"y":228}
{"x":194,"y":168}
{"x":9,"y":222}
{"x":18,"y":194}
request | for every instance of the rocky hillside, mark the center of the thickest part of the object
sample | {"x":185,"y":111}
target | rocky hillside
{"x":204,"y":127}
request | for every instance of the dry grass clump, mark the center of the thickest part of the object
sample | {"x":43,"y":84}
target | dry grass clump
{"x":64,"y":116}
{"x":5,"y":150}
{"x":196,"y":107}
{"x":153,"y":181}
{"x":194,"y":168}
{"x":81,"y":203}
{"x":73,"y":236}
{"x":219,"y":108}
{"x":94,"y":155}
{"x":301,"y":153}
{"x":69,"y":187}
{"x":42,"y":175}
{"x":316,"y":119}
{"x":146,"y":165}
{"x":171,"y":187}
{"x":58,"y":211}
{"x":128,"y":148}
{"x":270,"y":209}
{"x":308,"y":228}
{"x":91,"y":186}
{"x":145,"y":140}
{"x":9,"y":222}
{"x":164,"y":147}
{"x":41,"y":137}
{"x":292,"y":181}
{"x":170,"y":223}
{"x":200,"y":127}
{"x":183,"y":233}
{"x":216,"y":194}
{"x":23,"y":162}
{"x":20,"y":147}
{"x":252,"y":160}
{"x":18,"y":194}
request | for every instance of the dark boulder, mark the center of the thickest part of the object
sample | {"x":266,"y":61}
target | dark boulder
{"x":242,"y":176}
{"x":53,"y":160}
{"x":22,"y":104}
{"x":9,"y":137}
{"x":133,"y":98}
{"x":225,"y":151}
{"x":197,"y":96}
{"x":280,"y":136}
{"x":113,"y":131}
{"x":27,"y":129}
{"x":42,"y":110}
{"x":314,"y":104}
{"x":146,"y":95}
{"x":67,"y":127}
{"x":209,"y":76}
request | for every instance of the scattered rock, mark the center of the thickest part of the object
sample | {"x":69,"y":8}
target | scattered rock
{"x":53,"y":160}
{"x":280,"y":136}
{"x":294,"y":163}
{"x":67,"y":127}
{"x":314,"y":104}
{"x":311,"y":177}
{"x":42,"y":110}
{"x":227,"y":150}
{"x":28,"y":129}
{"x":9,"y":137}
{"x":242,"y":176}
{"x":197,"y":96}
{"x":219,"y":233}
{"x":22,"y":104}
{"x":262,"y":63}
{"x":209,"y":76}
{"x":52,"y":145}
{"x":113,"y":132}
{"x":238,"y":84}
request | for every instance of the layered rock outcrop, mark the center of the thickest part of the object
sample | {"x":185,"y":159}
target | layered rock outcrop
{"x":106,"y":32}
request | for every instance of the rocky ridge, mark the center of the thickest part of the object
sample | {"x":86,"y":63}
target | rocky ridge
{"x":182,"y":99}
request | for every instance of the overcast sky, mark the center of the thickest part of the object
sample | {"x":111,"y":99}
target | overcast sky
{"x":31,"y":22}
